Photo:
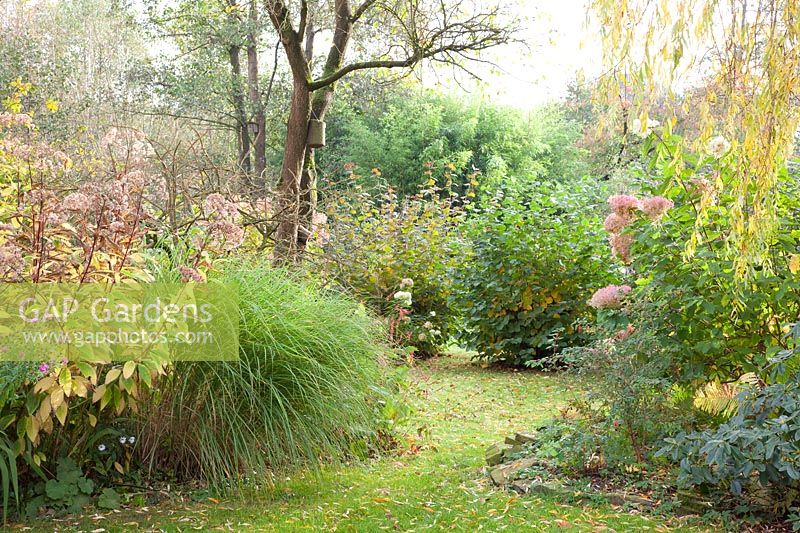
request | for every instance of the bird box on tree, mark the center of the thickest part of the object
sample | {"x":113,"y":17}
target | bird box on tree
{"x":316,"y":133}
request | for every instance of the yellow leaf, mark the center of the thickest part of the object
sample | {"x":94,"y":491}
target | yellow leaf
{"x":32,"y":428}
{"x":61,"y":413}
{"x":44,"y":384}
{"x":65,"y":380}
{"x":44,"y":410}
{"x":128,"y":369}
{"x":56,"y":398}
{"x":112,"y":375}
{"x":98,"y":393}
{"x":92,"y":420}
{"x":794,"y":263}
{"x":119,"y":468}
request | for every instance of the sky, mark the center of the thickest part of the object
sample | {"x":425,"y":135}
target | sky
{"x":558,"y":43}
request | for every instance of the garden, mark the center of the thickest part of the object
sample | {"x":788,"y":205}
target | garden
{"x":399,"y":265}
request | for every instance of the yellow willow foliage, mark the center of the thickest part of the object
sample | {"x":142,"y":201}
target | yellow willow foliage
{"x":737,"y":63}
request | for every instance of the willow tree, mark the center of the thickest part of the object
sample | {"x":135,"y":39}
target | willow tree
{"x":747,"y":54}
{"x":392,"y":34}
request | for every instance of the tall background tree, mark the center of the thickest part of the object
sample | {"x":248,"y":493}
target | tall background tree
{"x":398,"y":34}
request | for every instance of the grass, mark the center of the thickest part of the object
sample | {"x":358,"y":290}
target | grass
{"x":460,"y":409}
{"x":303,"y":388}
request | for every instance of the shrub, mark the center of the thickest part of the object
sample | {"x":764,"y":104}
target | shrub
{"x":527,"y":272}
{"x":756,"y":450}
{"x":630,"y":402}
{"x":85,"y":220}
{"x":380,"y":246}
{"x":306,"y":387}
{"x":452,"y":136}
{"x":729,"y":323}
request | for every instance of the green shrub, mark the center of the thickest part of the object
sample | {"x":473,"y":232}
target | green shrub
{"x":728,"y":324}
{"x":452,"y":135}
{"x":757,"y":450}
{"x":379,"y":246}
{"x":305,"y":389}
{"x":631,"y":402}
{"x":527,"y":272}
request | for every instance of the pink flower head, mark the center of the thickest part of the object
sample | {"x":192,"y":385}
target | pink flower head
{"x":190,"y":274}
{"x":217,"y":204}
{"x":623,"y":204}
{"x":12,"y":264}
{"x":615,"y":222}
{"x":621,"y":246}
{"x":15,"y":119}
{"x":655,"y":207}
{"x":44,"y":368}
{"x":609,"y":297}
{"x":77,"y":201}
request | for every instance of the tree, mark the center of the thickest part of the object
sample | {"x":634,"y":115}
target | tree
{"x":207,"y":82}
{"x":749,"y":53}
{"x":401,"y":34}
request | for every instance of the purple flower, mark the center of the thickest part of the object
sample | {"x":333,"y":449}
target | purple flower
{"x":44,"y":368}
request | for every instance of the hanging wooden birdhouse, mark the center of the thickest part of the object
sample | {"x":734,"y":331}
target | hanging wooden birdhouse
{"x":316,"y":133}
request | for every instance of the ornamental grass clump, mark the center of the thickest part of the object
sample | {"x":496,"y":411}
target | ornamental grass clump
{"x":305,"y":390}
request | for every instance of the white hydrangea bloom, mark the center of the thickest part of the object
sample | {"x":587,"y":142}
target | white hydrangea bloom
{"x":718,"y":146}
{"x":403,"y":298}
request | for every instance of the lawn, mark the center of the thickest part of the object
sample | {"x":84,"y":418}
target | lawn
{"x":460,"y":409}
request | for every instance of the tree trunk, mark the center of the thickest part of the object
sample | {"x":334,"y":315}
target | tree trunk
{"x":259,"y":117}
{"x":294,"y":154}
{"x":319,"y":108}
{"x":242,"y":136}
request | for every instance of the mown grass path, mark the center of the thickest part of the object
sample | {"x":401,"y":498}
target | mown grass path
{"x":462,"y":409}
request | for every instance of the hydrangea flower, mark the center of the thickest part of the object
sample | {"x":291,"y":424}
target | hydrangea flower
{"x":623,"y":204}
{"x":615,"y":222}
{"x":621,"y":246}
{"x":655,"y":206}
{"x":406,"y":282}
{"x":403,"y":298}
{"x":718,"y":146}
{"x":609,"y":297}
